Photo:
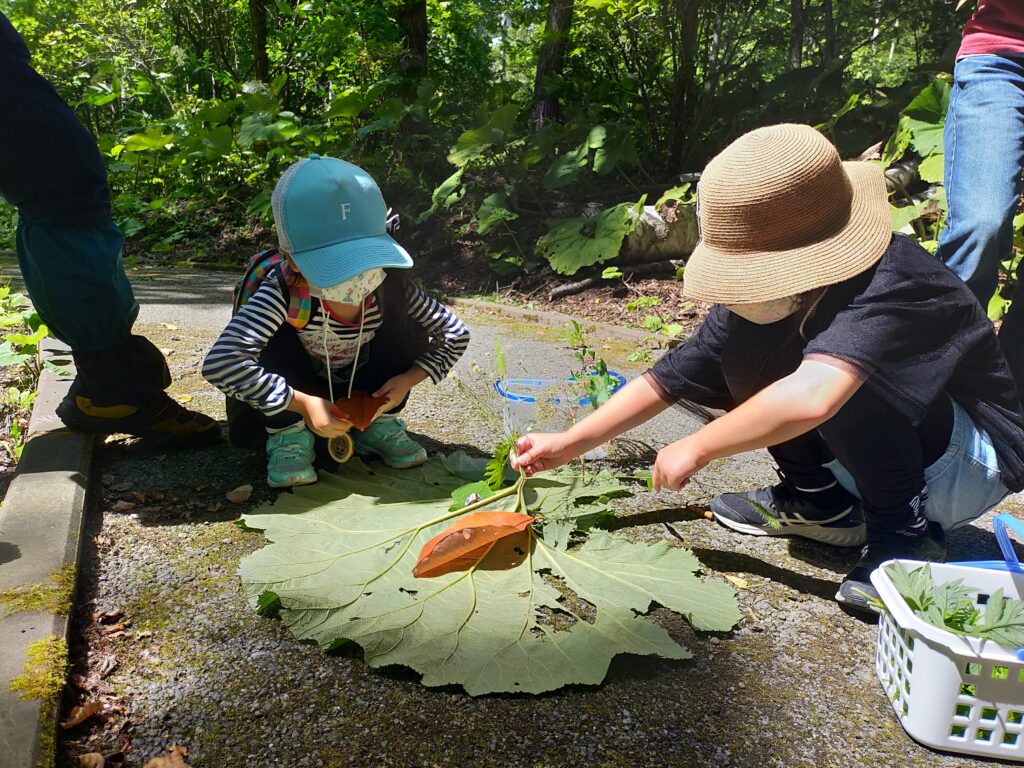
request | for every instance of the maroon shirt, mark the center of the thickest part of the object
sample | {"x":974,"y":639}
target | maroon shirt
{"x":996,"y":27}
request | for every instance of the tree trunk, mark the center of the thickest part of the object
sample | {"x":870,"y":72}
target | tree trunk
{"x":550,"y":60}
{"x":830,"y":49}
{"x":684,"y":83}
{"x":796,"y":34}
{"x":412,"y":18}
{"x":258,"y":30}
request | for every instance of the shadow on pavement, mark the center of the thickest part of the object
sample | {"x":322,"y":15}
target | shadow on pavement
{"x":738,"y":562}
{"x":9,"y":552}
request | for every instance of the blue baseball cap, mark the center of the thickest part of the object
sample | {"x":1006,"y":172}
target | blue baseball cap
{"x":330,"y":218}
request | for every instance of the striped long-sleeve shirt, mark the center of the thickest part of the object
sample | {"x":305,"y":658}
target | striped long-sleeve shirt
{"x":232,"y":365}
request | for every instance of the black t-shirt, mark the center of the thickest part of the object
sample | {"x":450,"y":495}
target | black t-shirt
{"x":908,"y":324}
{"x":50,"y":168}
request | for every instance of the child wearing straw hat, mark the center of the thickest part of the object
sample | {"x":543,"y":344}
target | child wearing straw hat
{"x":866,"y":368}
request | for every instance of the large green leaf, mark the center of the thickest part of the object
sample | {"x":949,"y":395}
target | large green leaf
{"x":529,"y":617}
{"x":926,"y":117}
{"x":571,"y":244}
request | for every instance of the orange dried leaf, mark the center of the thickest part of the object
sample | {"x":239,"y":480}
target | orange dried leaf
{"x":462,"y":544}
{"x":79,"y":715}
{"x":360,"y":409}
{"x":176,"y":759}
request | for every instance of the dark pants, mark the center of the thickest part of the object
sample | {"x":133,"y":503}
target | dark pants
{"x":76,"y":279}
{"x":285,"y":356}
{"x":884,"y":452}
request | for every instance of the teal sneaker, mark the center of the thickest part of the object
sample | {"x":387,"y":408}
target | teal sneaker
{"x":386,"y":438}
{"x":290,"y":454}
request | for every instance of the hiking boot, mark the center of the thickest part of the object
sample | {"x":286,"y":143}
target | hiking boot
{"x":290,"y":454}
{"x":785,"y":510}
{"x":857,"y":591}
{"x":161,"y":420}
{"x":386,"y":437}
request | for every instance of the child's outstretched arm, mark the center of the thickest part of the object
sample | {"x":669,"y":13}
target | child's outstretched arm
{"x":790,"y":407}
{"x":634,"y":404}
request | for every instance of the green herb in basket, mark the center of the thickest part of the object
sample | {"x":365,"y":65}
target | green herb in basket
{"x":950,"y":606}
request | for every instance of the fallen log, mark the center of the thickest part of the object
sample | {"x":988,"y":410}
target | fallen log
{"x":657,"y":269}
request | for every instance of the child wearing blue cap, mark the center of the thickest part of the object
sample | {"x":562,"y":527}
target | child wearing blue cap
{"x":339,"y":315}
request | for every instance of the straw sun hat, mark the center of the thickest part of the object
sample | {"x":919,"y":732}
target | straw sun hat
{"x":780,"y":214}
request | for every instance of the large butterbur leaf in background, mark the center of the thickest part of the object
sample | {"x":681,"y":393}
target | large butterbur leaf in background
{"x":530,"y":616}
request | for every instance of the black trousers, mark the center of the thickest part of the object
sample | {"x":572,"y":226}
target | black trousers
{"x":286,"y":356}
{"x":884,"y":452}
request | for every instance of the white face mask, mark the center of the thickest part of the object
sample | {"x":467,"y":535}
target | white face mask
{"x":353,"y":290}
{"x":766,"y":312}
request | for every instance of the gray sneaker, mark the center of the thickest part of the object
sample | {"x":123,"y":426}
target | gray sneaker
{"x":783,"y":510}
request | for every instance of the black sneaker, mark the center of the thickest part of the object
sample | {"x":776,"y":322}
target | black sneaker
{"x":782,"y":510}
{"x":161,"y":420}
{"x":857,"y":591}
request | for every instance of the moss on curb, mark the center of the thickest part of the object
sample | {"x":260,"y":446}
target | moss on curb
{"x":53,"y":595}
{"x":46,"y":668}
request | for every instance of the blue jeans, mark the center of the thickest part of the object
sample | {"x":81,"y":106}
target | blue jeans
{"x":984,"y":145}
{"x":963,"y":483}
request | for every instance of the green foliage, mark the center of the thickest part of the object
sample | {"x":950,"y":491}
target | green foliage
{"x":494,"y":471}
{"x":22,"y":332}
{"x":529,"y":617}
{"x":592,"y":376}
{"x":951,"y":606}
{"x":194,"y":142}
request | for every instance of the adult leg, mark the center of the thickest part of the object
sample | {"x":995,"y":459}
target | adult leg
{"x":984,"y":150}
{"x":69,"y":251}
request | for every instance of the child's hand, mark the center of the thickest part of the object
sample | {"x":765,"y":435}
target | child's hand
{"x":397,"y":387}
{"x":541,"y":451}
{"x":675,"y":465}
{"x":319,"y":417}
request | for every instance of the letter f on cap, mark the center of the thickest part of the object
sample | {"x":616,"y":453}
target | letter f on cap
{"x":345,"y":208}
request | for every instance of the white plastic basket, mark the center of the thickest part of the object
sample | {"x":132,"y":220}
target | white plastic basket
{"x":950,"y":692}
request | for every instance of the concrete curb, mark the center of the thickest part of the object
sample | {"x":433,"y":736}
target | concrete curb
{"x":40,"y":541}
{"x":559,"y":320}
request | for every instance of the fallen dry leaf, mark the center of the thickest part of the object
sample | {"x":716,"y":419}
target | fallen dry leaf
{"x":123,"y":506}
{"x":741,"y":583}
{"x":462,"y":544}
{"x":184,"y":398}
{"x":121,"y":487}
{"x":79,"y":715}
{"x":169,"y":326}
{"x":92,"y":760}
{"x":360,"y":409}
{"x":139,"y":497}
{"x":108,"y":617}
{"x":215,"y":507}
{"x":176,"y":759}
{"x":240,"y":494}
{"x":120,"y":627}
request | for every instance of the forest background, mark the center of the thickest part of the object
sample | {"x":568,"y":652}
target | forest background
{"x":512,"y":136}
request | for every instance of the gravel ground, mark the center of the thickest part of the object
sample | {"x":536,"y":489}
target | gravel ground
{"x":164,"y":634}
